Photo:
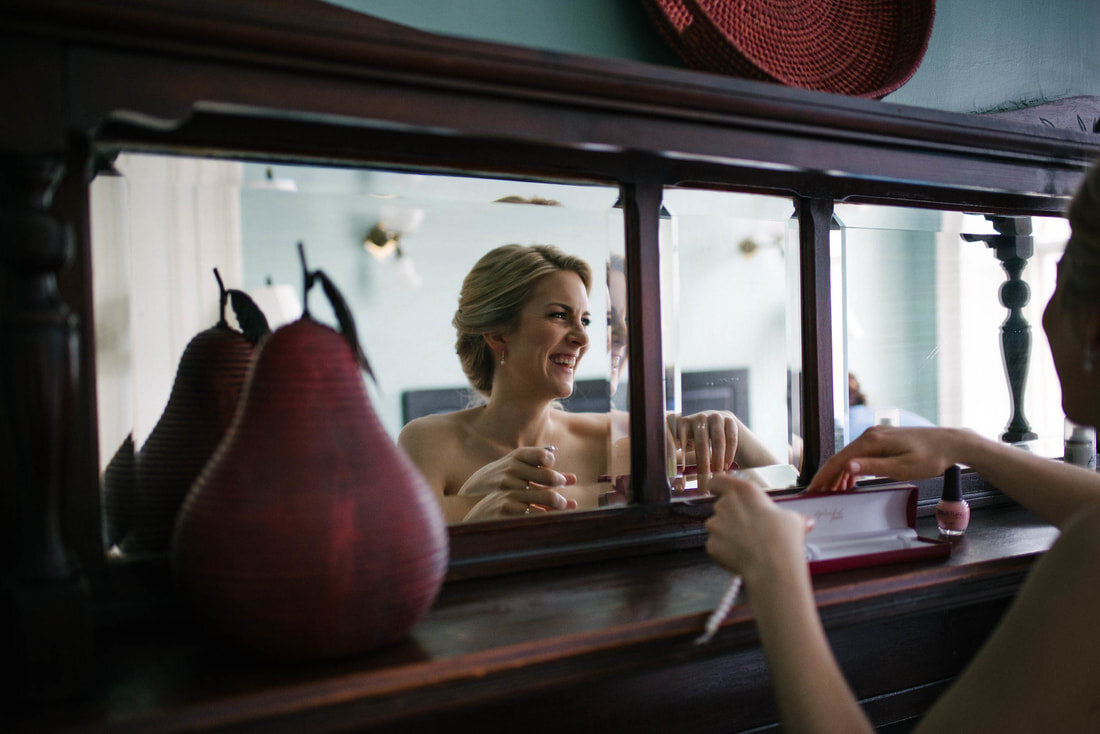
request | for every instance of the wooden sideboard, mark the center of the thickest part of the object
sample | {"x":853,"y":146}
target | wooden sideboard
{"x":592,"y":620}
{"x":607,"y":645}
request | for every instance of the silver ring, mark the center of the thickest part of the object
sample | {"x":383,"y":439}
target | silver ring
{"x":527,"y":485}
{"x":528,"y":510}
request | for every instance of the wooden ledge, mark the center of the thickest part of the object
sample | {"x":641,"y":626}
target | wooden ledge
{"x":492,"y":642}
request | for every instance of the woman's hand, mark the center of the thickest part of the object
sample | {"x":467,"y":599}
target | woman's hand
{"x":751,"y":535}
{"x":898,"y":453}
{"x":519,"y":483}
{"x":707,"y":439}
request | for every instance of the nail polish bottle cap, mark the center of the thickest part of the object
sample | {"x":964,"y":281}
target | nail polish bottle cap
{"x":1081,"y":434}
{"x":952,"y":487}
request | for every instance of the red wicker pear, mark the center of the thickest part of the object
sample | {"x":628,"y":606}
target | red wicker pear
{"x":142,"y":505}
{"x":310,"y":534}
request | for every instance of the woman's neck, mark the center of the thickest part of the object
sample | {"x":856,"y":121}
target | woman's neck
{"x":513,"y":422}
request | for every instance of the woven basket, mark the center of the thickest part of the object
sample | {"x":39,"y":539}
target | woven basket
{"x":862,"y":48}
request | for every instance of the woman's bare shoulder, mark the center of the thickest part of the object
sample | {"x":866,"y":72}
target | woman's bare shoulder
{"x":436,"y":428}
{"x":435,"y":445}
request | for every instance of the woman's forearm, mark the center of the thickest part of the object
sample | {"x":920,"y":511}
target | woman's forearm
{"x":1050,"y":489}
{"x":752,"y":536}
{"x":810,"y":689}
{"x":751,"y":451}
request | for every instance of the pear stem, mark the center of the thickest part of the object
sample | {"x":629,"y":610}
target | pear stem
{"x":223,"y":296}
{"x":307,"y":279}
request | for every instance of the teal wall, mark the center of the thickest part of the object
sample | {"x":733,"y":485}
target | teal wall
{"x":608,"y":28}
{"x":983,"y":54}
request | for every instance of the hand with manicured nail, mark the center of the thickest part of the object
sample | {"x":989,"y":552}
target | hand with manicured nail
{"x":519,"y":483}
{"x":899,"y":453}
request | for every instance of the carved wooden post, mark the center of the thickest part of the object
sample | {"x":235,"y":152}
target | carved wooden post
{"x":44,"y":595}
{"x":1013,"y":246}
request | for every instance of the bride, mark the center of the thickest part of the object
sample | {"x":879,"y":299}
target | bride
{"x":522,"y":324}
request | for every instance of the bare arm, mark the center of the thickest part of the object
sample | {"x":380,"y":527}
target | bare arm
{"x":751,"y":451}
{"x":752,"y":536}
{"x":1039,"y":671}
{"x":418,"y":439}
{"x":1052,"y":490}
{"x":810,"y":688}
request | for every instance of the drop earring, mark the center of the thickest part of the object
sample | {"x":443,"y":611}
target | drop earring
{"x":502,"y":356}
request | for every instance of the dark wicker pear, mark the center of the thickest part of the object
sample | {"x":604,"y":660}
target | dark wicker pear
{"x":310,"y":534}
{"x":208,"y":384}
{"x":118,"y":500}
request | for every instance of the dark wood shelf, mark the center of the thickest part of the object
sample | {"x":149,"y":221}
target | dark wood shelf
{"x":536,"y":639}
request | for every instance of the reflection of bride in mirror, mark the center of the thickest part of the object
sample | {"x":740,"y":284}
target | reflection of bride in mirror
{"x":522,"y":327}
{"x":717,"y":439}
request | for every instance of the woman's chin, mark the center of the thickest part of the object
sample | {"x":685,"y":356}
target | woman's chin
{"x":565,"y":389}
{"x":561,"y":382}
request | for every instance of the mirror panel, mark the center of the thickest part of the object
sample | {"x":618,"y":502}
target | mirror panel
{"x":917,"y":300}
{"x":397,"y":244}
{"x":731,"y":323}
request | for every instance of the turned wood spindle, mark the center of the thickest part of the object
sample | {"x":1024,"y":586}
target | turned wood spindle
{"x":1013,"y":245}
{"x":45,"y":594}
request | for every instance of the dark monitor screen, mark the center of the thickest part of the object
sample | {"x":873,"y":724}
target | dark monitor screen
{"x":589,"y":396}
{"x":699,"y":390}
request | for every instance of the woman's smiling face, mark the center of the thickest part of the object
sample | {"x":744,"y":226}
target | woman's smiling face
{"x":551,"y":335}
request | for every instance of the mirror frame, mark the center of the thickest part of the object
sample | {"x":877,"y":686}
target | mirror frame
{"x":316,"y":83}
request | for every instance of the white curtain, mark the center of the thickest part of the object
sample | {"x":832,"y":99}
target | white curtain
{"x":158,"y":232}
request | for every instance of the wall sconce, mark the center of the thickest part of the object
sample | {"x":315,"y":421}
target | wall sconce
{"x":759,"y":240}
{"x":383,"y":241}
{"x":384,"y":238}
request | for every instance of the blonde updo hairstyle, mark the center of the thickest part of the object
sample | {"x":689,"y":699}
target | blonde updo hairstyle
{"x":493,"y":295}
{"x":1081,"y":261}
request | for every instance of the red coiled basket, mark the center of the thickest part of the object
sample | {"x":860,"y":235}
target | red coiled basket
{"x":862,"y":48}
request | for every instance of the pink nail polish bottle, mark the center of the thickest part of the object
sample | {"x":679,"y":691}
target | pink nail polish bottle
{"x":952,"y":511}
